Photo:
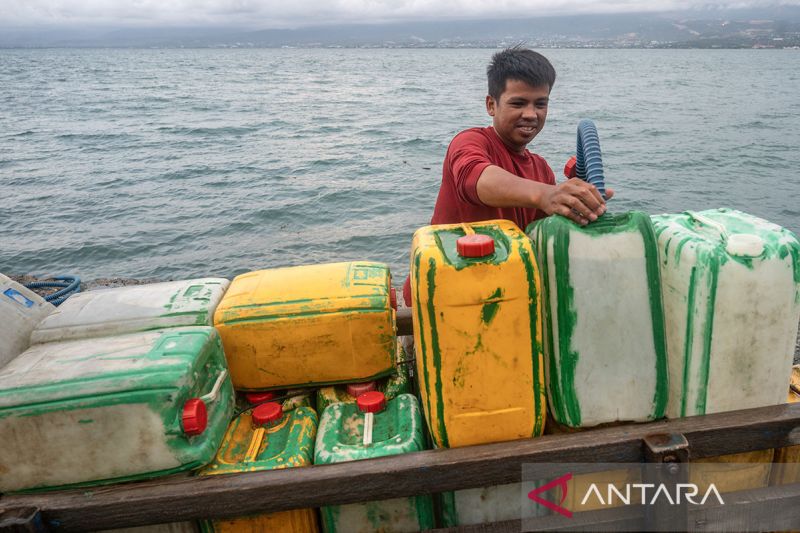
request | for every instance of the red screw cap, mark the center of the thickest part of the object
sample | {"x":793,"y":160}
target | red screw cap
{"x":266,"y":413}
{"x":475,"y":245}
{"x":194,"y":417}
{"x":393,"y":298}
{"x":260,"y":397}
{"x":357,"y":389}
{"x":569,"y":169}
{"x":371,"y":402}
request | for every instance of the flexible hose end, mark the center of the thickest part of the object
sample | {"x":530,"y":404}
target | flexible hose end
{"x":588,"y":159}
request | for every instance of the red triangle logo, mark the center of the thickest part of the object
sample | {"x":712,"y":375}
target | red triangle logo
{"x":558,"y":482}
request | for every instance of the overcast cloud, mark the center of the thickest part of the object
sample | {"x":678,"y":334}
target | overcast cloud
{"x":288,"y":13}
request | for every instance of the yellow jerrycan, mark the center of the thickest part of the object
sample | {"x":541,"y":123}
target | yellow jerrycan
{"x":266,"y":438}
{"x":308,"y":325}
{"x":477,"y":332}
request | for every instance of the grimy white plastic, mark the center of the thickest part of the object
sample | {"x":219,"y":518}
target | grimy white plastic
{"x":116,"y":311}
{"x":752,"y":321}
{"x":494,"y":504}
{"x":615,"y":375}
{"x":21,"y":310}
{"x":132,"y":435}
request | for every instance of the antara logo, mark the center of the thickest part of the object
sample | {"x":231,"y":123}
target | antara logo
{"x":649,"y":493}
{"x":558,"y":482}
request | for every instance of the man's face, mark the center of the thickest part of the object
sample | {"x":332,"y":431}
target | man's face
{"x":520,"y":113}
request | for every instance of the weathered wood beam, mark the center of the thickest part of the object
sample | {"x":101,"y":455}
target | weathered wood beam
{"x":175,"y":499}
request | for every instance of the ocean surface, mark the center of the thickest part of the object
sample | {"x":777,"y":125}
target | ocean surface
{"x":181,"y":163}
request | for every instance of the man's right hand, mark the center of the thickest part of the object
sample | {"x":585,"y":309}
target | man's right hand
{"x":575,"y":199}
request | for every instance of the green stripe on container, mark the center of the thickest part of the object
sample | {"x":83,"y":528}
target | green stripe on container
{"x":550,"y":355}
{"x":566,"y":325}
{"x":536,"y":349}
{"x":657,"y":313}
{"x":423,"y":345}
{"x":713,"y":268}
{"x":689,"y":340}
{"x":436,"y":352}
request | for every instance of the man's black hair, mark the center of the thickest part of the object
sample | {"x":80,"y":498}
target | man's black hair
{"x":518,"y":63}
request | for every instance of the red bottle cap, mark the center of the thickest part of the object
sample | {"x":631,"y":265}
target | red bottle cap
{"x":357,"y":389}
{"x":260,"y":397}
{"x":371,"y":402}
{"x":393,"y":298}
{"x":569,"y":169}
{"x":266,"y":413}
{"x":475,"y":245}
{"x":194,"y":417}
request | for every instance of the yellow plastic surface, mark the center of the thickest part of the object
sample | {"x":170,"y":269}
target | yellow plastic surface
{"x":478,"y":336}
{"x":295,"y":521}
{"x":308,"y":325}
{"x":734,"y":472}
{"x":246,"y":448}
{"x":786,"y":469}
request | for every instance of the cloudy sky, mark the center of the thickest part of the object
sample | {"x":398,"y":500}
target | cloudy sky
{"x":288,"y":13}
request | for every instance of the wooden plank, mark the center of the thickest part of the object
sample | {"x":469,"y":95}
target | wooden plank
{"x":416,"y":473}
{"x":22,"y":520}
{"x":774,"y":508}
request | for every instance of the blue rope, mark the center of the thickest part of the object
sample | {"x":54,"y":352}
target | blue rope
{"x":69,"y":285}
{"x":589,"y":160}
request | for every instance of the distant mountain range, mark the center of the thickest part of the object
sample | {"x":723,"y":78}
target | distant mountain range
{"x":777,"y":27}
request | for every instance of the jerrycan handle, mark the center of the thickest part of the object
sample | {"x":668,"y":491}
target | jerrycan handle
{"x":212,"y":395}
{"x":705,"y":221}
{"x":739,"y":244}
{"x":370,"y":403}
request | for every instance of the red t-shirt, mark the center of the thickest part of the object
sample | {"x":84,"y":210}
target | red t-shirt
{"x":469,"y":153}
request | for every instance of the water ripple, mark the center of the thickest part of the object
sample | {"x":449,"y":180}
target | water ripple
{"x":179,"y":163}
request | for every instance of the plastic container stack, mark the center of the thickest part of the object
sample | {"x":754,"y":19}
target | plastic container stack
{"x":612,"y":322}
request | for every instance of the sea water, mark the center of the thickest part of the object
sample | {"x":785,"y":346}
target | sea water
{"x":181,"y":163}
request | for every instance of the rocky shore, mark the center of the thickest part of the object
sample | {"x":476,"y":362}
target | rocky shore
{"x":102,"y":283}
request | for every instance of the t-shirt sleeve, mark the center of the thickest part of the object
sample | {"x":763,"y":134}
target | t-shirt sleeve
{"x":468,"y":156}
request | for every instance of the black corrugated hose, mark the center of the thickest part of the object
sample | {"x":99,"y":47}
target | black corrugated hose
{"x":67,"y":286}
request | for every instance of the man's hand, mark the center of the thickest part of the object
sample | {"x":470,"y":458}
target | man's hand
{"x":576,"y":200}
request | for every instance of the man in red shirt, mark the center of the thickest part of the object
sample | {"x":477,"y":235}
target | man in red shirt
{"x":488,"y":173}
